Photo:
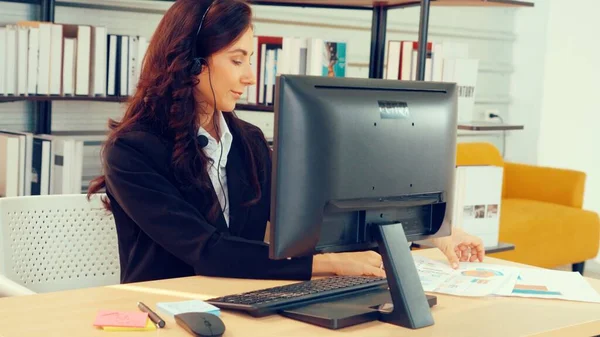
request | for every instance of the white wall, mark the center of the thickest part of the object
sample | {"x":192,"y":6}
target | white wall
{"x":569,"y":123}
{"x":529,"y":52}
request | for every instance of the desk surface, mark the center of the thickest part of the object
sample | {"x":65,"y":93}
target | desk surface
{"x":71,"y":313}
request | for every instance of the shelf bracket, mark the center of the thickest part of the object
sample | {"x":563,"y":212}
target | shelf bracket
{"x":47,"y":10}
{"x":43,"y":109}
{"x":378,"y":31}
{"x":43,"y":117}
{"x":423,"y":27}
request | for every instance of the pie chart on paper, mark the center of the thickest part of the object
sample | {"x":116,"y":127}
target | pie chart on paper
{"x":482,"y":273}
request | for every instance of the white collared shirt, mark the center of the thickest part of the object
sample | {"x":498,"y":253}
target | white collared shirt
{"x":215,"y":150}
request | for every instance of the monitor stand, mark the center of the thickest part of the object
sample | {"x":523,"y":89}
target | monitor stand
{"x":409,"y":306}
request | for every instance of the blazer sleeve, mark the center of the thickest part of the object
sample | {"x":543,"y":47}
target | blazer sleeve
{"x":136,"y":170}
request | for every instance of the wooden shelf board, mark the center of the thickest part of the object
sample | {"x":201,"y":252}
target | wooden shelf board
{"x":366,"y":4}
{"x":33,"y":2}
{"x":483,"y":3}
{"x":473,"y":126}
{"x":483,"y":126}
{"x":160,"y":6}
{"x":41,"y":98}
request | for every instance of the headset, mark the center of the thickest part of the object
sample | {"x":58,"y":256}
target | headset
{"x":195,"y":70}
{"x":197,"y":65}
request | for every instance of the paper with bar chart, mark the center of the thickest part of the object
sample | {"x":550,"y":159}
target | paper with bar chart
{"x":554,"y":284}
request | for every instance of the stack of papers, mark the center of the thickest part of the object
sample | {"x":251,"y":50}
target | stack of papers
{"x":111,"y":320}
{"x":175,"y":308}
{"x":481,"y":279}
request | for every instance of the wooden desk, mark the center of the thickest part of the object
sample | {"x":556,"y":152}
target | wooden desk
{"x":71,"y":313}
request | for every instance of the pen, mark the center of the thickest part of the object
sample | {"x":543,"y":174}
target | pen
{"x":153,"y":316}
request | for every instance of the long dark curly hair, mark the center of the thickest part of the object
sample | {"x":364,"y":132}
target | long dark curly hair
{"x":164,"y":96}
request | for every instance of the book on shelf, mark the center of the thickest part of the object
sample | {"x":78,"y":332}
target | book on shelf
{"x":98,"y":60}
{"x":403,"y":59}
{"x":69,"y":69}
{"x":446,"y":61}
{"x":39,"y":53}
{"x":277,"y":55}
{"x":10,"y":174}
{"x":11,"y":75}
{"x":123,"y":65}
{"x":3,"y":61}
{"x":51,"y":59}
{"x":23,"y":146}
{"x":40,"y":164}
{"x":69,"y":60}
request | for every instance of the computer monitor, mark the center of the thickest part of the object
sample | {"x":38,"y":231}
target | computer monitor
{"x":361,"y":164}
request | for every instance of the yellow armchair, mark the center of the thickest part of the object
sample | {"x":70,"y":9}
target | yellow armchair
{"x":541,"y":211}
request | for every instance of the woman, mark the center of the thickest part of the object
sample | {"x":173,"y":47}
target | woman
{"x":187,"y":181}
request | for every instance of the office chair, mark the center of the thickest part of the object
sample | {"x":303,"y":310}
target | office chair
{"x":56,"y":242}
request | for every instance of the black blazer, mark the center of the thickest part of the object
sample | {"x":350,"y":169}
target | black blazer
{"x":162,"y":227}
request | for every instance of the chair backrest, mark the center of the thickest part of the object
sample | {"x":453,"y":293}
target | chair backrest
{"x":478,"y":153}
{"x":58,"y":242}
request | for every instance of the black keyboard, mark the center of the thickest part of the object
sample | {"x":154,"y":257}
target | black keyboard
{"x":270,"y":300}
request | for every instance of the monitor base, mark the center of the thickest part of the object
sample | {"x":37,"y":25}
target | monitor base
{"x":347,"y":311}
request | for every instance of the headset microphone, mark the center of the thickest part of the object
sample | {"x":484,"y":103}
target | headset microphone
{"x":203,"y":141}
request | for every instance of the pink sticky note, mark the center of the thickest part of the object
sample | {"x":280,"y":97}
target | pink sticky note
{"x":132,"y":319}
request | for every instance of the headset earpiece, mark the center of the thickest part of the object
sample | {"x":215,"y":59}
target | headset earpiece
{"x":197,"y":65}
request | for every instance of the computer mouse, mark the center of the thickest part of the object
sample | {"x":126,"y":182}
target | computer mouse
{"x":201,"y":324}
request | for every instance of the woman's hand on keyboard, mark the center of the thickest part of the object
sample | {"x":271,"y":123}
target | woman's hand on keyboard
{"x":366,"y":263}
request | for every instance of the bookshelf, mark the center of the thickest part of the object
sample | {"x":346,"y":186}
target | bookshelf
{"x":379,"y":8}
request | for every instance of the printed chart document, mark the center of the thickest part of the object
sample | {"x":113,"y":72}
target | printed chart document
{"x":554,"y":284}
{"x":470,"y":279}
{"x":481,"y":279}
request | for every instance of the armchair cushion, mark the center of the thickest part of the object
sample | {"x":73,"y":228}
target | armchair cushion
{"x":547,"y":235}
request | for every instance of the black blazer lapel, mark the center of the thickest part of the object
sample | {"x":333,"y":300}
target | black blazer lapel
{"x":238,"y":189}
